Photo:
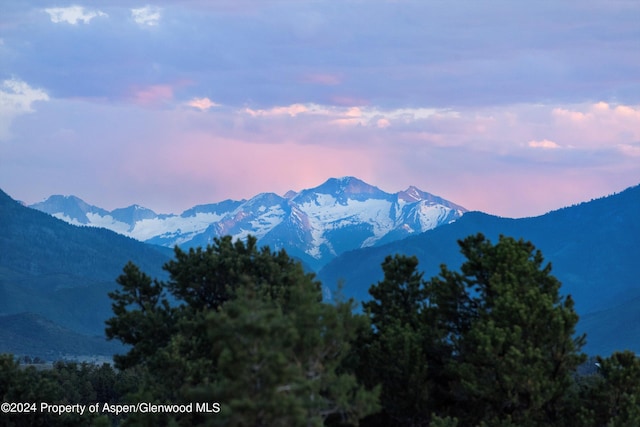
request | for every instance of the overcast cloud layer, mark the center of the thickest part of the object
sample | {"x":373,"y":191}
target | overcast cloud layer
{"x":513,"y":108}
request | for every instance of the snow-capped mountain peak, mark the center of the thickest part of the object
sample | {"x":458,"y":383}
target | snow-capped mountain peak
{"x":346,"y":185}
{"x":313,"y":224}
{"x":411,"y":194}
{"x":68,"y":208}
{"x":132,"y":214}
{"x":339,"y":191}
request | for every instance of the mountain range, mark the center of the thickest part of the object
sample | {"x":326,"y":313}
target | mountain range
{"x":55,"y":276}
{"x":314,"y":225}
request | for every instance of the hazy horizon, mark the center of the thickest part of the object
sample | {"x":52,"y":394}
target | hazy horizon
{"x":204,"y":202}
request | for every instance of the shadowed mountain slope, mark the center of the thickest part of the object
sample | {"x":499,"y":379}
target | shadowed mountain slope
{"x":593,"y":247}
{"x":63,"y":272}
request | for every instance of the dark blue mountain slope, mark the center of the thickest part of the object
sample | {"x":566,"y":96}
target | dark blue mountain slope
{"x":61,"y":271}
{"x":594,"y":248}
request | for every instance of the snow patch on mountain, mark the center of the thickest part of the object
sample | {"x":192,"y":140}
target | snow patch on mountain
{"x":317,"y":224}
{"x":174,"y":225}
{"x":67,"y":218}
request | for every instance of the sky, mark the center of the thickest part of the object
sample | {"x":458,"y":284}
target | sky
{"x":511,"y":108}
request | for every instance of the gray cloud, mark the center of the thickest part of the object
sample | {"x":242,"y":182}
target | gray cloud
{"x":392,"y":53}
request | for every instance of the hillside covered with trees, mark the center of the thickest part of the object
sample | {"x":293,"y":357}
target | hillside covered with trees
{"x":245,"y":332}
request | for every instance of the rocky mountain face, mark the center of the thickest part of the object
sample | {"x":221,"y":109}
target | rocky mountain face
{"x":315,"y":225}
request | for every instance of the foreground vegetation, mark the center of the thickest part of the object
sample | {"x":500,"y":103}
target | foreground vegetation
{"x":493,"y":344}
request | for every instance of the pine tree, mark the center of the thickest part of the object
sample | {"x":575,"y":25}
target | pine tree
{"x":493,"y":344}
{"x":397,"y":351}
{"x":512,"y":337}
{"x":247,"y":328}
{"x":611,"y":397}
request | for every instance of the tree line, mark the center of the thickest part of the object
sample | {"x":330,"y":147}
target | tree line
{"x":491,"y":344}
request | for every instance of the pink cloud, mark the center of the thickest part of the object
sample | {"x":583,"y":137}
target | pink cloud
{"x":383,"y":123}
{"x":575,"y":116}
{"x":346,"y":122}
{"x":291,"y":110}
{"x":150,"y":96}
{"x":630,"y":150}
{"x":202,"y":104}
{"x":544,"y":144}
{"x":598,"y":125}
{"x":626,"y":111}
{"x":491,"y":159}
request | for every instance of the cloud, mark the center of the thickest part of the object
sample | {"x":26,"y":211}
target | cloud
{"x":598,"y":111}
{"x":73,"y":14}
{"x":599,"y":124}
{"x":574,"y":116}
{"x":365,"y":53}
{"x":202,"y":104}
{"x":353,"y":115}
{"x":631,"y":150}
{"x":290,"y":110}
{"x":236,"y":154}
{"x":383,"y":123}
{"x":544,"y":144}
{"x":146,"y":16}
{"x":16,"y":98}
{"x":154,"y":95}
{"x":440,"y":97}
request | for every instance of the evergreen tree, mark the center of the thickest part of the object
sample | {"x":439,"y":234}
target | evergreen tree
{"x":247,"y":328}
{"x":399,"y":349}
{"x":493,"y":344}
{"x":611,"y":397}
{"x":512,"y":337}
{"x":143,"y":318}
{"x":64,"y":383}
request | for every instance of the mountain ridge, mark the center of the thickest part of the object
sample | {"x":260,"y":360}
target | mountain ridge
{"x":593,"y":248}
{"x":63,"y":272}
{"x":316,"y":224}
